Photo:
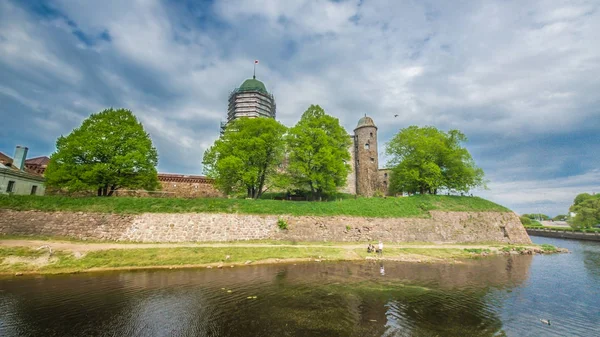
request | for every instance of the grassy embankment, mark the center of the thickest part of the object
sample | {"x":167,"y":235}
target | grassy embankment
{"x":414,"y":206}
{"x":16,"y":260}
{"x":564,"y":229}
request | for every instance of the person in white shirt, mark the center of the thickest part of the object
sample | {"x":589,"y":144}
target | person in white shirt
{"x":380,"y":248}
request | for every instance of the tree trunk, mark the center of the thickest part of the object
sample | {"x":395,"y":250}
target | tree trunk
{"x":112,"y":190}
{"x":99,"y":191}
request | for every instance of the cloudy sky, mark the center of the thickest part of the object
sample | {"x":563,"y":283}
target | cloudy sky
{"x":520,"y":78}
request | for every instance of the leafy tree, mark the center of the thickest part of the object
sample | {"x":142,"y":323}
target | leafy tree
{"x":560,"y":217}
{"x":587,"y":210}
{"x":109,"y":151}
{"x":537,"y":216}
{"x":318,"y":157}
{"x":425,"y":159}
{"x":246,"y":156}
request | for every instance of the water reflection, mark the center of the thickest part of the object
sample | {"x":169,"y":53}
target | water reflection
{"x":316,"y":299}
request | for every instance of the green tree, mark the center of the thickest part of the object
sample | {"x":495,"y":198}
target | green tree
{"x":560,"y":217}
{"x":425,"y":159}
{"x":109,"y":151}
{"x":318,"y":152}
{"x":537,"y":216}
{"x":587,"y":211}
{"x":247,"y":156}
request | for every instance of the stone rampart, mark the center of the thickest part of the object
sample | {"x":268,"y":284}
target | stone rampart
{"x":564,"y":234}
{"x":441,"y":227}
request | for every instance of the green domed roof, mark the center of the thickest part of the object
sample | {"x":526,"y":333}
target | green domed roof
{"x":252,"y":84}
{"x":365,"y":121}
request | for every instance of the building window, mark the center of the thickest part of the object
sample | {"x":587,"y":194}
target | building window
{"x":385,"y":175}
{"x":371,"y":134}
{"x":372,"y":160}
{"x":11,"y":187}
{"x":33,"y":189}
{"x":366,"y":146}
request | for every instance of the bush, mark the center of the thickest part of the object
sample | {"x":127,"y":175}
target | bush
{"x":525,"y":220}
{"x":282,"y":224}
{"x":548,"y":248}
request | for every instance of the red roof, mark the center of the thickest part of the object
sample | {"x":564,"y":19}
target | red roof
{"x":4,"y":159}
{"x":43,"y":160}
{"x":184,"y":178}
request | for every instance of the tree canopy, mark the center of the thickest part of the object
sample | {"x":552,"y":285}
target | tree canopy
{"x":537,"y":216}
{"x":318,"y":152}
{"x":587,"y":211}
{"x":246,"y":156}
{"x":425,"y":159}
{"x":109,"y":151}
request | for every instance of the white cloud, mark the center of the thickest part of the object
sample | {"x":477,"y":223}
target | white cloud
{"x":508,"y":74}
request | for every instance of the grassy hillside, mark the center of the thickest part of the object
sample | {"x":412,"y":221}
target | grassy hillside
{"x":414,"y":206}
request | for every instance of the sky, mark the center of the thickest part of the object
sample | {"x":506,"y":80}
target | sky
{"x":520,"y":78}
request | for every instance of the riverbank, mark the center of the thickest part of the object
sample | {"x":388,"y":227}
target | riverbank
{"x":19,"y":257}
{"x":591,"y":235}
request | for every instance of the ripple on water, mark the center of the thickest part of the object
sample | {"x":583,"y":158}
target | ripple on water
{"x":483,"y":298}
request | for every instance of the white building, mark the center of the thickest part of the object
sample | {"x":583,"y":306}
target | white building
{"x":15,"y":178}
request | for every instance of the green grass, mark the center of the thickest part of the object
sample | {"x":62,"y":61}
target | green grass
{"x":478,"y":250}
{"x":414,"y":206}
{"x":151,"y":257}
{"x":548,"y":248}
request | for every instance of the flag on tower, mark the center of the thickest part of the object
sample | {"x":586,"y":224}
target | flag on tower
{"x":255,"y":61}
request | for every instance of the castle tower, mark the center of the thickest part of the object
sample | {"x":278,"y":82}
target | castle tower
{"x":366,"y":157}
{"x":252,"y":100}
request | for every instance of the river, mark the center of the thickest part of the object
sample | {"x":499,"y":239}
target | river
{"x":499,"y":296}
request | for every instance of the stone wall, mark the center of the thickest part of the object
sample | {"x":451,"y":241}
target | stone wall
{"x":350,"y":186}
{"x":564,"y":234}
{"x":366,"y":160}
{"x":449,"y":227}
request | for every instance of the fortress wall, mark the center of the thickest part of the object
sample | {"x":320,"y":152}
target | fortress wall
{"x":441,"y":227}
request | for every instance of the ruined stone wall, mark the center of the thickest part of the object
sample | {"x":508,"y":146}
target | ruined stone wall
{"x":350,"y":187}
{"x":384,"y":181}
{"x":190,"y":189}
{"x":367,"y":161}
{"x":442,"y":227}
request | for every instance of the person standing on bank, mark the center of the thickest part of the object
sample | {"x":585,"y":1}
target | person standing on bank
{"x":380,"y":248}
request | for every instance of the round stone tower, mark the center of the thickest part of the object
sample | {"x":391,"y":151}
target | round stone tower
{"x":366,"y":157}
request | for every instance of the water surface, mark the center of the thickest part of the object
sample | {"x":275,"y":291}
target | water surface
{"x":501,"y":296}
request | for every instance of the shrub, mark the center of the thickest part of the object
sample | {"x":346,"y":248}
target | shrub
{"x":478,"y":250}
{"x":525,"y":220}
{"x":282,"y":224}
{"x":548,"y":248}
{"x":348,"y":228}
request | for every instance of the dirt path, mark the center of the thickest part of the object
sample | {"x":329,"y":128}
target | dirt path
{"x":88,"y":247}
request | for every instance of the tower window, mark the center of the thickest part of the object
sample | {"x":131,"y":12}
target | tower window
{"x":366,"y":146}
{"x":385,"y":175}
{"x":385,"y":183}
{"x":372,"y":160}
{"x":371,"y":134}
